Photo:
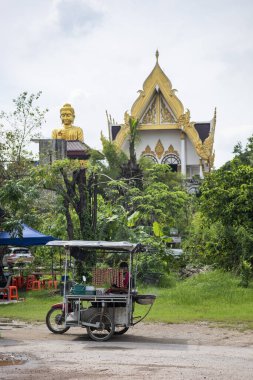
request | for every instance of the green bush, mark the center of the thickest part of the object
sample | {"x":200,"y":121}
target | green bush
{"x":246,"y":273}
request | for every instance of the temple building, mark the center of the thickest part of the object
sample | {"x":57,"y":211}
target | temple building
{"x":166,"y":133}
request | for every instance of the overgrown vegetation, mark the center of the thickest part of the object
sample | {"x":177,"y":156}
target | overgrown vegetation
{"x":221,"y":232}
{"x":118,"y":198}
{"x":212,"y":296}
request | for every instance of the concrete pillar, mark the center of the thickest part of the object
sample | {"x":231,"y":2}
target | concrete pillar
{"x":201,"y":169}
{"x":51,"y":150}
{"x":183,"y":160}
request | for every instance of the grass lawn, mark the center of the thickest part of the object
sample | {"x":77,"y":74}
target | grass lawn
{"x":213,"y":296}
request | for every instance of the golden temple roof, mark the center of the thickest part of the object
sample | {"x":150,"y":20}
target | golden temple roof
{"x":158,"y":108}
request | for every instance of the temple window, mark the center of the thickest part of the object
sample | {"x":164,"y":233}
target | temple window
{"x":150,"y":157}
{"x":173,"y":161}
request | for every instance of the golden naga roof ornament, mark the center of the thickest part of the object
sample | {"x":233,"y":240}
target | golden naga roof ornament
{"x":204,"y":150}
{"x":207,"y":146}
{"x":213,"y":125}
{"x":126,"y":118}
{"x":184,"y":120}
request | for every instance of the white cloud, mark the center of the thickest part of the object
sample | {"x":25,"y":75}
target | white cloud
{"x":75,"y":17}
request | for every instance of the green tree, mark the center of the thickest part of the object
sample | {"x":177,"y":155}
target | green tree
{"x":76,"y":189}
{"x":17,"y":128}
{"x":17,"y":198}
{"x":244,"y":156}
{"x":226,"y":195}
{"x":111,"y":162}
{"x":222,"y":233}
{"x":21,"y":125}
{"x":132,"y":170}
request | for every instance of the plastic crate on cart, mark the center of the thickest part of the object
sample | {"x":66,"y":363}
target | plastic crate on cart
{"x":78,"y":289}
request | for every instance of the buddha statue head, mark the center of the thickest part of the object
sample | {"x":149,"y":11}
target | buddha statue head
{"x":67,"y":114}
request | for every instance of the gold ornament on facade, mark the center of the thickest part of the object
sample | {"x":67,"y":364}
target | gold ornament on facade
{"x":148,"y":151}
{"x":214,"y":118}
{"x":171,"y":150}
{"x":184,"y":120}
{"x":173,"y":91}
{"x":126,"y":118}
{"x":142,"y":93}
{"x":159,"y":149}
{"x":203,"y":149}
{"x":166,"y":116}
{"x":150,"y":116}
{"x":157,"y":55}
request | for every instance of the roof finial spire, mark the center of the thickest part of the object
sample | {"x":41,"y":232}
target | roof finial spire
{"x":157,"y":55}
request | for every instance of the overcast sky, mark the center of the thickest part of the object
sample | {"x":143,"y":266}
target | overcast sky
{"x":96,"y":55}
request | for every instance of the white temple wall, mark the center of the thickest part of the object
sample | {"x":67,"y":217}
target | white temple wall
{"x":167,"y":138}
{"x":151,"y":138}
{"x":191,"y":155}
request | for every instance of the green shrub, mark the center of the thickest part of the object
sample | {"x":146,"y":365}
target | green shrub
{"x":246,"y":272}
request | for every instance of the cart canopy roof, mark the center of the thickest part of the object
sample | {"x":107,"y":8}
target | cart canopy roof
{"x":119,"y":246}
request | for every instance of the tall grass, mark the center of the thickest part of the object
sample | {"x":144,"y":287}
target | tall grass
{"x":215,"y":296}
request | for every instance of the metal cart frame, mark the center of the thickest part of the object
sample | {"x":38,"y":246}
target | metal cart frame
{"x":109,"y":314}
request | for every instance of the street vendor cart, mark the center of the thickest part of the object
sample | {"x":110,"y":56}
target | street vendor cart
{"x":102,"y":312}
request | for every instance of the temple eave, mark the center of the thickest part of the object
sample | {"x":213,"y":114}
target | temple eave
{"x":156,"y":127}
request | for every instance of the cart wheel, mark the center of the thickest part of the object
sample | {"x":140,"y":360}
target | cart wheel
{"x":55,"y":321}
{"x":120,"y":330}
{"x":105,"y":330}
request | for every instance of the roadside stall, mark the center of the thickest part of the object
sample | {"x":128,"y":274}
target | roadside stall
{"x":103,"y":312}
{"x":17,"y":252}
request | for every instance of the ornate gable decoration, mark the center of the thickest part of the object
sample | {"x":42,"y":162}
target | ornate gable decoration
{"x":158,"y":111}
{"x":166,"y":115}
{"x":149,"y":116}
{"x":157,"y":83}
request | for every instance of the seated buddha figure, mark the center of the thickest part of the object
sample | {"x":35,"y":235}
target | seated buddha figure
{"x":68,"y":131}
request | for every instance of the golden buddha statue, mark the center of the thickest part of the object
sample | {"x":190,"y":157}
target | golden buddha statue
{"x":68,"y":131}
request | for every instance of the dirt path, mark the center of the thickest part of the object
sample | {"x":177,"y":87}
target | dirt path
{"x":147,"y":351}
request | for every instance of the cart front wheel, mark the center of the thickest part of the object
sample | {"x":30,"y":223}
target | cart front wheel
{"x":55,"y":321}
{"x":120,"y":330}
{"x":104,"y":329}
